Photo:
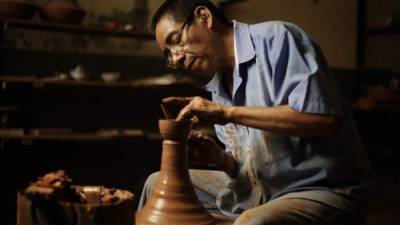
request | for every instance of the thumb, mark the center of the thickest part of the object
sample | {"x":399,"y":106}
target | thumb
{"x":177,"y":100}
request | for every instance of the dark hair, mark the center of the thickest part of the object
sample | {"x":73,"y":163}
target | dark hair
{"x":180,"y":10}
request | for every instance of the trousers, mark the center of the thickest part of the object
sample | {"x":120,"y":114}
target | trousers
{"x":289,"y":209}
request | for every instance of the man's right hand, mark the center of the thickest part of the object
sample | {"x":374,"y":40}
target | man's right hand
{"x":205,"y":150}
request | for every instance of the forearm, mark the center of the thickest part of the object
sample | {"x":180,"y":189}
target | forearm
{"x":282,"y":119}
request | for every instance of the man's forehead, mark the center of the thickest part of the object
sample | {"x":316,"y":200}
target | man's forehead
{"x":165,"y":26}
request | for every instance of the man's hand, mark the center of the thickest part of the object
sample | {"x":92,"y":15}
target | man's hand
{"x":198,"y":109}
{"x":204,"y":149}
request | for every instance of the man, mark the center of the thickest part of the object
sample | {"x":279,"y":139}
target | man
{"x":292,"y":154}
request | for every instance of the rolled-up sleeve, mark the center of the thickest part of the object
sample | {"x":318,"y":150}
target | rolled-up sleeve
{"x":301,"y":74}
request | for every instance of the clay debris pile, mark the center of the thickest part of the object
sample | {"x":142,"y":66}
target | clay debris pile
{"x":58,"y":186}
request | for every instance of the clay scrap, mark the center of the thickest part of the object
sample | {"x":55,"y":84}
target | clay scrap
{"x":58,"y":186}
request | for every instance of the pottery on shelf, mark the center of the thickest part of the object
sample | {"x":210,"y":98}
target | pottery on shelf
{"x":79,"y":73}
{"x":173,"y":200}
{"x":17,"y":9}
{"x":62,"y":11}
{"x":110,"y":76}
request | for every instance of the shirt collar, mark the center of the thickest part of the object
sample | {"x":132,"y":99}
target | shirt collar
{"x":244,"y":48}
{"x":244,"y":52}
{"x":213,"y":85}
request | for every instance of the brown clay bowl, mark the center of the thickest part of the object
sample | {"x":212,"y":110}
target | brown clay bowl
{"x":171,"y":129}
{"x":62,"y":14}
{"x":18,"y":9}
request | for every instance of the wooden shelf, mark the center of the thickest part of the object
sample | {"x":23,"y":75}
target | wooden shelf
{"x":42,"y":82}
{"x":75,"y":29}
{"x":384,"y":31}
{"x":53,"y":134}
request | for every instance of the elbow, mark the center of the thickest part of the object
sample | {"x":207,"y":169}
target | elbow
{"x":332,"y":125}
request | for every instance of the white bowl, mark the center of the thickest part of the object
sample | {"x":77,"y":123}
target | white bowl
{"x":110,"y":76}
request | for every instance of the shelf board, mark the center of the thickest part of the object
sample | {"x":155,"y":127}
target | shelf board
{"x":384,"y":30}
{"x":53,"y":134}
{"x":41,"y":82}
{"x":76,"y":29}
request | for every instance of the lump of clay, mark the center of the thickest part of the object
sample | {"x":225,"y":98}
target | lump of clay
{"x":102,"y":195}
{"x":58,"y":186}
{"x":55,"y":185}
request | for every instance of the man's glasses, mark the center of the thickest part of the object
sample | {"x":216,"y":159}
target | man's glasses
{"x":177,"y":45}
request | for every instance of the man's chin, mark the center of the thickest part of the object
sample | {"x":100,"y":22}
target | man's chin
{"x":202,"y":70}
{"x":205,"y":74}
{"x":202,"y":78}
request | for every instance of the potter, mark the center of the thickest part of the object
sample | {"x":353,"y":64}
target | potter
{"x":291,"y":153}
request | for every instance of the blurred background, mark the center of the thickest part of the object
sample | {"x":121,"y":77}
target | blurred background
{"x":81,"y":82}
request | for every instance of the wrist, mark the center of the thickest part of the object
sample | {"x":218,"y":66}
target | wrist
{"x":227,"y":114}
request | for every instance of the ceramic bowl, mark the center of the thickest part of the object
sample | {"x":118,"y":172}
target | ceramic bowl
{"x":79,"y":73}
{"x":110,"y":76}
{"x":62,"y":14}
{"x":19,"y":9}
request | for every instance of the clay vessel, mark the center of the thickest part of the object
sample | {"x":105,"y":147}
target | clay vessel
{"x":42,"y":211}
{"x":62,"y":11}
{"x":17,"y":9}
{"x":173,"y":200}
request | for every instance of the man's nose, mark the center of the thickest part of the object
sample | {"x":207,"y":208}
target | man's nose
{"x":178,"y":59}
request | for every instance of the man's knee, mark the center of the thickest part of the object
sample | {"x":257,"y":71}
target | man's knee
{"x":150,"y":182}
{"x":265,"y":216}
{"x":151,"y":179}
{"x":147,"y":189}
{"x":293,"y":212}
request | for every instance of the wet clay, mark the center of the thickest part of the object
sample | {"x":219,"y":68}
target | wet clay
{"x":173,"y":200}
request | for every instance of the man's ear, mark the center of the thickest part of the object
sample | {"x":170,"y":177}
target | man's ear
{"x":204,"y":16}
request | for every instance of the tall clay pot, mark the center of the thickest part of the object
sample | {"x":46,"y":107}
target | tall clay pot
{"x":173,"y":200}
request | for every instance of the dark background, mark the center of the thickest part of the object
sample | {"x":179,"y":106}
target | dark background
{"x":32,"y":97}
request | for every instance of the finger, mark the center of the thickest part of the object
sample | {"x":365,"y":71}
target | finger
{"x":185,"y":114}
{"x":195,"y":120}
{"x":205,"y":138}
{"x":193,"y":135}
{"x":177,"y":100}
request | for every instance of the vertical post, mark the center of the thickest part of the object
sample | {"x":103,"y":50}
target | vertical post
{"x":361,"y":32}
{"x":361,"y":26}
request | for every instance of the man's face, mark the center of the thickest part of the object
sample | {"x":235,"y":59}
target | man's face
{"x":194,"y":50}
